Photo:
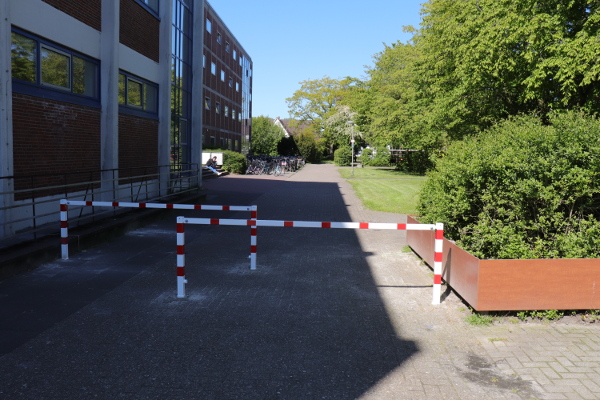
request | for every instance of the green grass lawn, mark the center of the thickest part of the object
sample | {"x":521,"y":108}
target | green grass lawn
{"x":383,"y":189}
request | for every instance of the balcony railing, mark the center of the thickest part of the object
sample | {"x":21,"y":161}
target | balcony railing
{"x":29,"y":205}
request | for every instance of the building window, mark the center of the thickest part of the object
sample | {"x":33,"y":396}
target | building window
{"x":222,"y":76}
{"x":56,"y":68}
{"x":232,"y":113}
{"x":234,"y":54}
{"x":213,"y":68}
{"x":208,"y":26}
{"x":207,"y":103}
{"x":218,"y":108}
{"x":151,"y":4}
{"x":226,"y":111}
{"x":219,"y":38}
{"x":203,"y":60}
{"x":43,"y":64}
{"x":227,"y":48}
{"x":137,"y":93}
{"x":237,"y":86}
{"x":230,"y":82}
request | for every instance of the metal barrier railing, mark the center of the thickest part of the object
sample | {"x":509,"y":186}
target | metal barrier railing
{"x":28,"y":210}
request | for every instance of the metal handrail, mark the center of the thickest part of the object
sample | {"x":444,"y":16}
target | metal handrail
{"x":32,"y":207}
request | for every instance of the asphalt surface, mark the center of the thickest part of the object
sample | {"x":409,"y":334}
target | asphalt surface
{"x":327,"y":314}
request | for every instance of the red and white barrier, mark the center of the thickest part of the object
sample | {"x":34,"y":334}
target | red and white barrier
{"x":439,"y":240}
{"x":64,"y":223}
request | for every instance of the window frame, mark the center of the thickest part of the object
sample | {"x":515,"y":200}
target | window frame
{"x":151,"y":9}
{"x":38,"y":88}
{"x":142,"y":110}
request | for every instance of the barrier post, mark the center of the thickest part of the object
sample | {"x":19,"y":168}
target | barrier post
{"x":253,"y":217}
{"x":64,"y":229}
{"x":181,"y":281}
{"x":437,"y":263}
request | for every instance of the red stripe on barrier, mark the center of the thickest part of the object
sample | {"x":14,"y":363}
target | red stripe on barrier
{"x":437,"y":279}
{"x":169,"y":206}
{"x":439,"y":234}
{"x":63,"y":207}
{"x":64,"y":224}
{"x":253,"y":214}
{"x":214,"y":221}
{"x":402,"y":227}
{"x":89,"y":203}
{"x":142,"y":205}
{"x":288,"y":224}
{"x":364,"y":225}
{"x":325,"y":224}
{"x":225,"y":208}
{"x":64,"y":240}
{"x":252,"y":249}
{"x":197,"y":207}
{"x":180,"y":271}
{"x":252,"y":231}
{"x":180,"y":249}
{"x":251,"y":222}
{"x":115,"y":204}
{"x":437,"y":257}
{"x":180,"y":228}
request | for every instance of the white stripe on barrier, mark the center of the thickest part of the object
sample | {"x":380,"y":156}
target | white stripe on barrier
{"x":438,"y":245}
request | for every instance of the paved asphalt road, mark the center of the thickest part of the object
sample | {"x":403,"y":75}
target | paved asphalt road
{"x":328,"y":314}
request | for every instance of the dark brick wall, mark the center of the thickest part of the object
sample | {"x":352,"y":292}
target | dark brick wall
{"x":139,"y":29}
{"x":51,"y":137}
{"x":89,"y":11}
{"x":138,"y":145}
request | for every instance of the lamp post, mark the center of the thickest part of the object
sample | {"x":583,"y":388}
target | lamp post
{"x":352,"y":143}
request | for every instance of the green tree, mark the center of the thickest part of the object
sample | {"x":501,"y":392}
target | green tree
{"x":315,"y":101}
{"x":488,"y":59}
{"x":308,"y":145}
{"x":342,"y":128}
{"x":265,"y":136}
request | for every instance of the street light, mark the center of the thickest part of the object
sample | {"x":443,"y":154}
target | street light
{"x":352,"y":142}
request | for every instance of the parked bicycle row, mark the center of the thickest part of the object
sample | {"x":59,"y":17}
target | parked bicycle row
{"x":269,"y":165}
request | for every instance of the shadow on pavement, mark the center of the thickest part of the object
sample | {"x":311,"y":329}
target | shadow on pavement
{"x":308,"y":323}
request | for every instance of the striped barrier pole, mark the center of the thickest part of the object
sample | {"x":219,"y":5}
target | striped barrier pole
{"x":64,"y":206}
{"x":157,"y":205}
{"x":310,"y":224}
{"x":438,"y":228}
{"x":437,"y":263}
{"x":253,"y":217}
{"x":64,"y":230}
{"x":181,"y":281}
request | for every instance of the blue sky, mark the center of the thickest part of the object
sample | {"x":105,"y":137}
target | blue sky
{"x":294,"y":41}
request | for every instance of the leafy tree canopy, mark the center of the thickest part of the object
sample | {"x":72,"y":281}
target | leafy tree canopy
{"x":265,"y":136}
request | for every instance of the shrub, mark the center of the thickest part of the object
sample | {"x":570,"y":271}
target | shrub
{"x":365,"y":157}
{"x":343,"y":156}
{"x":521,"y":189}
{"x":382,"y":158}
{"x":234,"y":162}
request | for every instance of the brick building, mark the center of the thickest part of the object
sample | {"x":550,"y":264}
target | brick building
{"x":102,"y":90}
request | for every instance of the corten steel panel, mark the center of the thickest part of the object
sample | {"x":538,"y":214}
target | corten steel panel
{"x":504,"y":285}
{"x":460,"y":270}
{"x":548,"y":284}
